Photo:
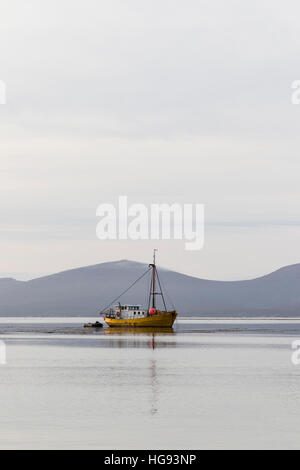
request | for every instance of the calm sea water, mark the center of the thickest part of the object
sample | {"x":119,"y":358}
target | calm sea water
{"x":208,"y":384}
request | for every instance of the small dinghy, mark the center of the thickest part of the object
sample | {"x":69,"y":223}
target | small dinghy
{"x":93,"y":325}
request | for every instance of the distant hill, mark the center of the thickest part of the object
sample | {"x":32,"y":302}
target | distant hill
{"x":86,"y":290}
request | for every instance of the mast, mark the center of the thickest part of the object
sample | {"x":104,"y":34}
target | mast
{"x":153,"y":293}
{"x":155,"y":277}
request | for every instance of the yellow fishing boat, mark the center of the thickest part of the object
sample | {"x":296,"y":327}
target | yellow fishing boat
{"x":132,"y":316}
{"x":159,"y":319}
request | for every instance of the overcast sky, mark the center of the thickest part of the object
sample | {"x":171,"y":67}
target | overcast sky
{"x":162,"y":101}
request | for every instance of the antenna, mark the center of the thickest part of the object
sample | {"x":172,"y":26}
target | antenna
{"x":154,"y":255}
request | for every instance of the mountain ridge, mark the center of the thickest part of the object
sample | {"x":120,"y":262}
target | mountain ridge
{"x":85,"y":290}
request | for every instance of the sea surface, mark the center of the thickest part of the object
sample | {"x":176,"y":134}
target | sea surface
{"x":206,"y":384}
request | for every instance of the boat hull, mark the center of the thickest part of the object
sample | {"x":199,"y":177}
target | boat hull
{"x":160,"y":320}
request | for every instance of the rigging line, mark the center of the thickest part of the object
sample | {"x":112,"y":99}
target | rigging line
{"x":161,"y":291}
{"x":167,"y":295}
{"x":150,"y":290}
{"x":117,"y":298}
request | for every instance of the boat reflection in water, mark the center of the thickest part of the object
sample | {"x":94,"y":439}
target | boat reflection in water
{"x":140,"y":337}
{"x":146,"y":338}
